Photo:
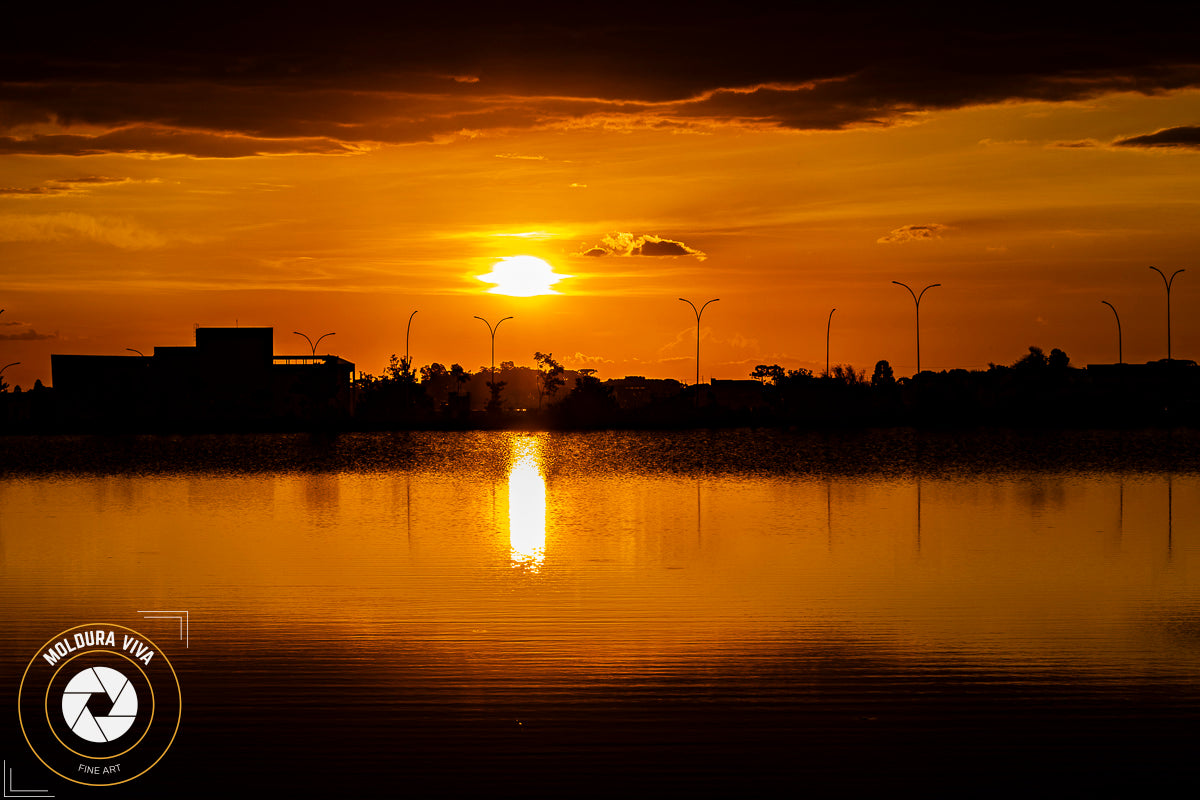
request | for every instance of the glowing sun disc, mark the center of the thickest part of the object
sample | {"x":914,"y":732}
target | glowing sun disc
{"x":522,"y":276}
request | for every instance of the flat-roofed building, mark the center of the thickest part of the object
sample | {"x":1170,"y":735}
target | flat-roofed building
{"x":230,"y":377}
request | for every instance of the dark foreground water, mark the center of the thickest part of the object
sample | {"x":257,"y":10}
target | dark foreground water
{"x":734,"y":614}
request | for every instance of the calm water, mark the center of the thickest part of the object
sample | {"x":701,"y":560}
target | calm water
{"x":730,"y":613}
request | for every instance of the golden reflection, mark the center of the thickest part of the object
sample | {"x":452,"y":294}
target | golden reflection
{"x":527,"y":504}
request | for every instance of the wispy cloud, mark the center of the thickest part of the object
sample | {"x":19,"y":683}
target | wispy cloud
{"x":687,"y":337}
{"x":538,"y":235}
{"x":112,"y":231}
{"x":584,"y":360}
{"x":914,"y":233}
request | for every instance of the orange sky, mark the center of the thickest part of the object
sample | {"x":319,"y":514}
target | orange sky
{"x":163,"y":188}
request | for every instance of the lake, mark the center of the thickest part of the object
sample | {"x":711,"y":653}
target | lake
{"x":575,"y":614}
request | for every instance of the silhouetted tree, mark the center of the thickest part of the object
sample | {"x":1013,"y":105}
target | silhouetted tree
{"x":393,"y":370}
{"x":586,"y":381}
{"x":845,"y":373}
{"x":883,"y":375}
{"x":399,"y":371}
{"x":1058,"y":360}
{"x":391,"y":396}
{"x":763,"y":372}
{"x":797,"y":376}
{"x":433,"y":372}
{"x":590,"y":402}
{"x":549,"y":376}
{"x":1034,"y":359}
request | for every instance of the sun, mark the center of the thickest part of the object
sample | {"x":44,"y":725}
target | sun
{"x":522,"y":276}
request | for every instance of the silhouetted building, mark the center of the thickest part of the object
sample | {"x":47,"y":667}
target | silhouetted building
{"x":230,"y":377}
{"x":635,"y":391}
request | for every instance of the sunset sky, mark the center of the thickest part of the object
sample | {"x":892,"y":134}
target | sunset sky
{"x":336,"y":170}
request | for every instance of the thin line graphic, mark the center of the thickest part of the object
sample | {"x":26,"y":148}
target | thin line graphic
{"x":8,"y":787}
{"x":184,"y":622}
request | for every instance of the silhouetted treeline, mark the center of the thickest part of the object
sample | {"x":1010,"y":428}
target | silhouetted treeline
{"x":1035,"y":390}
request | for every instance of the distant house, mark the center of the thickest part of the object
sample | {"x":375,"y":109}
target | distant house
{"x":230,"y":377}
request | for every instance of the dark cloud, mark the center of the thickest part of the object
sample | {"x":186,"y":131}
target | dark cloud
{"x":63,"y":186}
{"x":653,"y":246}
{"x":628,"y":244}
{"x":1185,"y":136}
{"x":91,"y":180}
{"x":913,"y":233}
{"x":249,"y":79}
{"x":27,"y":336}
{"x":32,"y":191}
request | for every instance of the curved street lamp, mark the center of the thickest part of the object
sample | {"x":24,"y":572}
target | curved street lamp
{"x":1168,"y":283}
{"x":139,"y":352}
{"x":311,"y":343}
{"x":917,"y":300}
{"x":698,"y":313}
{"x":1120,"y":358}
{"x":6,"y":366}
{"x":828,"y":322}
{"x":407,"y":331}
{"x":492,"y":330}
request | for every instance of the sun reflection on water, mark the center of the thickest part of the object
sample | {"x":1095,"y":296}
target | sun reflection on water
{"x":527,"y":504}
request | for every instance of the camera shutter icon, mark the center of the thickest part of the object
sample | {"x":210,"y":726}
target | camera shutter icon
{"x":92,"y":689}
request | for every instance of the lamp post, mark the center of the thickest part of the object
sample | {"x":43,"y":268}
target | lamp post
{"x":6,"y":366}
{"x":828,"y":322}
{"x":1120,"y":357}
{"x":917,"y":300}
{"x":407,"y":331}
{"x":139,"y":352}
{"x":1168,"y":283}
{"x":492,"y":330}
{"x":698,"y":313}
{"x":311,"y":343}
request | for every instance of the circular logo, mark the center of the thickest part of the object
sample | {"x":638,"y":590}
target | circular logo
{"x":85,"y":710}
{"x":99,"y":704}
